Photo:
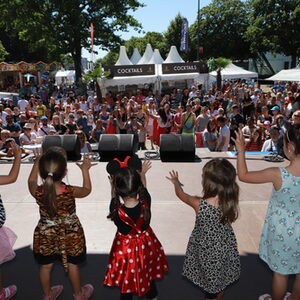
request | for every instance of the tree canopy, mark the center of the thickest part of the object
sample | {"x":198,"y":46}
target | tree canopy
{"x":63,"y":26}
{"x":3,"y":52}
{"x":275,"y":26}
{"x":222,"y":25}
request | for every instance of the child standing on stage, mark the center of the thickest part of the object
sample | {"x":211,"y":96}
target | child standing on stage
{"x":137,"y":257}
{"x":280,"y":240}
{"x":7,"y":237}
{"x":59,"y":234}
{"x":212,"y":260}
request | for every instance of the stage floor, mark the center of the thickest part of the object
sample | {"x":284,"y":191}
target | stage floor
{"x":172,"y":221}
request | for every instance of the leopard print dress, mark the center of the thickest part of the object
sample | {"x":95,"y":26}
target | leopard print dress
{"x":212,"y":260}
{"x":61,"y":236}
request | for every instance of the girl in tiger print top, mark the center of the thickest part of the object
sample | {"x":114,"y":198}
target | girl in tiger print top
{"x":59,"y":234}
{"x":7,"y":237}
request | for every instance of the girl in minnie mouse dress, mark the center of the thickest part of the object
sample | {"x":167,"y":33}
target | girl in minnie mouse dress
{"x":136,"y":257}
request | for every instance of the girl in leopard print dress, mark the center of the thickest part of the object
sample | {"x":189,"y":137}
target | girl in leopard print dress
{"x":212,"y":260}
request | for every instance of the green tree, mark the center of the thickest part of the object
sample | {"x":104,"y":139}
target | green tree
{"x":275,"y":26}
{"x":156,"y":40}
{"x":3,"y":52}
{"x":222,"y":26}
{"x":218,"y":64}
{"x":93,"y":76}
{"x":63,"y":26}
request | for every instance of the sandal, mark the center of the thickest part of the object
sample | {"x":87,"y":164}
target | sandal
{"x":86,"y":292}
{"x":55,"y":292}
{"x":265,"y":297}
{"x":287,"y":296}
{"x":8,"y":292}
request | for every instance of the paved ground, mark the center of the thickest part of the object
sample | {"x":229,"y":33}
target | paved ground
{"x":171,"y":220}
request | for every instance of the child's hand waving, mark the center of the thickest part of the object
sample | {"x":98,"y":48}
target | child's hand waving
{"x":239,"y":141}
{"x":174,"y":178}
{"x":86,"y":164}
{"x":146,"y":166}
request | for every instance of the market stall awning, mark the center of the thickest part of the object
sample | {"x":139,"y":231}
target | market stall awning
{"x":233,"y":72}
{"x":286,"y":75}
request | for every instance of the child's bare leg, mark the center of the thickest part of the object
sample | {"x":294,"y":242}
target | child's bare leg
{"x":74,"y":277}
{"x":45,"y":278}
{"x":279,"y":286}
{"x":296,"y":289}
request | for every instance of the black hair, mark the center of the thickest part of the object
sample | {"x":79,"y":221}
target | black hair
{"x":126,"y":182}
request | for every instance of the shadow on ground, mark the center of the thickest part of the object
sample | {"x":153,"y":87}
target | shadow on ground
{"x":23,"y":271}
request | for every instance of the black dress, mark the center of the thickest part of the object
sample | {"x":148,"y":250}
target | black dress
{"x":212,"y":260}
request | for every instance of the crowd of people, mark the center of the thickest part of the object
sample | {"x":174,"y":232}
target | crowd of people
{"x":211,"y":116}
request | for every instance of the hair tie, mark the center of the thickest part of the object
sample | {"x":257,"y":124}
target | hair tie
{"x":50,"y":174}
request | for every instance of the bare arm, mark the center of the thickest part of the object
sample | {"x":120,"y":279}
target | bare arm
{"x":86,"y":188}
{"x":14,"y":171}
{"x":262,"y":176}
{"x":192,"y":201}
{"x":146,"y":166}
{"x":33,"y":177}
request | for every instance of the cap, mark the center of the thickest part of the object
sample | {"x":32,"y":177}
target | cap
{"x":276,"y":107}
{"x":44,"y":118}
{"x":27,"y":126}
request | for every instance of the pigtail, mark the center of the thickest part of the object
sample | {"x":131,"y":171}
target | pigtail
{"x":50,"y":195}
{"x":146,"y":209}
{"x":115,"y":203}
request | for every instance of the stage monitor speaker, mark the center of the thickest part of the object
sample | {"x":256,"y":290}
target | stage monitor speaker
{"x":70,"y":143}
{"x":116,"y":146}
{"x":177,"y":148}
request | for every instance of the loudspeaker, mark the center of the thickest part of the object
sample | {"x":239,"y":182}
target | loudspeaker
{"x":70,"y":143}
{"x":177,"y":147}
{"x":116,"y":146}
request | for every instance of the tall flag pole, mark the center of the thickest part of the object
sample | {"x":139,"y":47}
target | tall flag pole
{"x":184,"y":35}
{"x":92,"y":41}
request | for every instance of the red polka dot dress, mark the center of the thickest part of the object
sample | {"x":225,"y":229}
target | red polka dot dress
{"x":136,"y":258}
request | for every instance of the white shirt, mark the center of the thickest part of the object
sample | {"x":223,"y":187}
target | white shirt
{"x":46,"y":129}
{"x":22,"y":104}
{"x":224,"y":132}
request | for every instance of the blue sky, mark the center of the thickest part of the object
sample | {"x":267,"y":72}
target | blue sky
{"x":156,"y":16}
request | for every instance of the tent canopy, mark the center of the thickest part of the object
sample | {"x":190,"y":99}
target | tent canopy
{"x":67,"y":73}
{"x":232,"y":72}
{"x":123,"y":58}
{"x":173,"y":56}
{"x":136,"y":56}
{"x":286,"y":75}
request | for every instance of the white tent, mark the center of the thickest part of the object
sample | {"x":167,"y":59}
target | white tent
{"x":146,"y":56}
{"x":233,"y":72}
{"x":156,"y":58}
{"x":123,"y":58}
{"x":65,"y":76}
{"x":136,"y":56}
{"x":286,"y":75}
{"x":173,"y":56}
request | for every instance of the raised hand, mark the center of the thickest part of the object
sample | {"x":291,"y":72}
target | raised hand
{"x":174,"y":178}
{"x":146,"y":166}
{"x":86,"y":163}
{"x":239,"y":141}
{"x":17,"y":151}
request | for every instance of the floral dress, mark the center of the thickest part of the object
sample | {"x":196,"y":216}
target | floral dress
{"x":280,"y":240}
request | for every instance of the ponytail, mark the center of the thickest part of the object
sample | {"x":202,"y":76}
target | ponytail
{"x":50,"y":195}
{"x":145,"y":207}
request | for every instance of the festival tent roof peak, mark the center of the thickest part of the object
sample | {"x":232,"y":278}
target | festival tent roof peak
{"x":173,"y":56}
{"x":136,"y":56}
{"x":156,"y":58}
{"x":146,"y":56}
{"x":123,"y":58}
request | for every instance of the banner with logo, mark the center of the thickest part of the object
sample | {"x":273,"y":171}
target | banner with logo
{"x":184,"y":42}
{"x":196,"y":67}
{"x":131,"y":70}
